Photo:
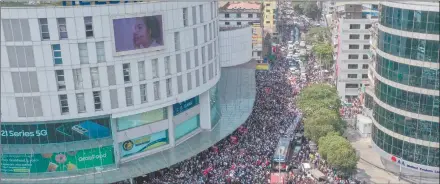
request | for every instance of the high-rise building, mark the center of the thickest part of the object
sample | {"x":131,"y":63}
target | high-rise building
{"x":351,"y":37}
{"x":404,"y":90}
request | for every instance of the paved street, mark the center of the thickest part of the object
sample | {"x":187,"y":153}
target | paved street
{"x":368,"y":170}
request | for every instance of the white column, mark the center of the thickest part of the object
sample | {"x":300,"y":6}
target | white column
{"x":114,"y":128}
{"x":171,"y":126}
{"x":205,"y":111}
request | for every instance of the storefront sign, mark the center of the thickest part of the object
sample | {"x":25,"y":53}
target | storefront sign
{"x":144,"y":143}
{"x":56,"y":162}
{"x":55,"y":132}
{"x":182,"y":107}
{"x":414,"y":166}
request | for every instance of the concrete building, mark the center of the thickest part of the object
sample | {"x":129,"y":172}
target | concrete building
{"x":351,"y":37}
{"x":90,"y":94}
{"x":239,"y":14}
{"x":269,"y":16}
{"x":404,"y":91}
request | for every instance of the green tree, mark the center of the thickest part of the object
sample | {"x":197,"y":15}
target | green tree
{"x":339,"y":153}
{"x":324,"y":53}
{"x":311,"y":10}
{"x":317,"y":96}
{"x":316,"y":127}
{"x":298,"y":9}
{"x":317,"y":35}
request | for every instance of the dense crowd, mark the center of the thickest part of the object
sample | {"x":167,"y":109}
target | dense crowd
{"x":245,"y":155}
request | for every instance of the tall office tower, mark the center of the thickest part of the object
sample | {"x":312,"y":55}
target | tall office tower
{"x":404,"y":90}
{"x":351,"y":24}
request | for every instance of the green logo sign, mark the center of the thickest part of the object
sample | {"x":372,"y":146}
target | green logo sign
{"x":55,"y":162}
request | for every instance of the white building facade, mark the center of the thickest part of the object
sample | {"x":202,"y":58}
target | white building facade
{"x":80,"y":83}
{"x":351,"y":24}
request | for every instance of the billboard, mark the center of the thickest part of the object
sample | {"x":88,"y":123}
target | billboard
{"x":144,"y":143}
{"x":55,"y":132}
{"x":257,"y":37}
{"x":262,"y":66}
{"x":57,"y":162}
{"x":138,"y":33}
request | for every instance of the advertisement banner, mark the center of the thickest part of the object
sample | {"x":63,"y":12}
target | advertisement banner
{"x":136,"y":120}
{"x":144,"y":143}
{"x":138,"y":33}
{"x":57,"y":162}
{"x":55,"y":132}
{"x":257,"y":36}
{"x":183,"y":106}
{"x":262,"y":66}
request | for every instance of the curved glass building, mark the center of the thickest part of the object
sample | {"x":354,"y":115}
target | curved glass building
{"x":404,"y":96}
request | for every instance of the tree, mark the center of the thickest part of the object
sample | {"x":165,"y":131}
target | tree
{"x":298,"y":9}
{"x":324,"y":52}
{"x":317,"y":96}
{"x":316,"y":127}
{"x":311,"y":10}
{"x":339,"y":153}
{"x":317,"y":35}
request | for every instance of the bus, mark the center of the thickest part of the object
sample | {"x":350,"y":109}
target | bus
{"x":281,"y":155}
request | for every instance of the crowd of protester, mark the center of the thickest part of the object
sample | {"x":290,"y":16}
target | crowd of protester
{"x":245,"y":155}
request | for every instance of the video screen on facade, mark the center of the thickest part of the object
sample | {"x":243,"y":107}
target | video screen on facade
{"x":55,"y":132}
{"x":57,"y":162}
{"x":138,"y":33}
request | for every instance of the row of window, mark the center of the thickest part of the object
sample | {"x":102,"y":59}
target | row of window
{"x":157,"y":94}
{"x":357,"y":37}
{"x":357,"y":46}
{"x":407,"y":126}
{"x":18,"y":29}
{"x":410,"y":48}
{"x":358,"y":26}
{"x":410,"y":20}
{"x":408,"y":101}
{"x":407,"y":74}
{"x":126,"y":70}
{"x":238,"y":15}
{"x":207,"y":37}
{"x":356,"y":56}
{"x":194,"y":14}
{"x":408,"y":151}
{"x":238,"y":23}
{"x":355,"y":76}
{"x":355,"y":66}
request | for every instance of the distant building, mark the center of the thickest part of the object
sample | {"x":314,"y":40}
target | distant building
{"x":238,"y":14}
{"x":269,"y":16}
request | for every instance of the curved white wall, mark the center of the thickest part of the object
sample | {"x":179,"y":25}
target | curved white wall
{"x":45,"y":89}
{"x":235,"y":46}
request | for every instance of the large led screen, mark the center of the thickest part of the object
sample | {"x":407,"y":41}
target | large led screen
{"x":55,"y":132}
{"x":138,"y":33}
{"x":57,"y":162}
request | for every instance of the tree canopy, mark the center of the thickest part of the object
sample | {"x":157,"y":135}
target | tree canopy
{"x":338,"y":152}
{"x":324,"y":53}
{"x":317,"y":35}
{"x":318,"y":96}
{"x":309,"y":9}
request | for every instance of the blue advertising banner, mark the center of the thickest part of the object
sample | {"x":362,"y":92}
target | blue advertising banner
{"x":144,"y":143}
{"x":183,"y":106}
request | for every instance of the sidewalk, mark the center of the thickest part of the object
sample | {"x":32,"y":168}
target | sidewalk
{"x":368,"y":170}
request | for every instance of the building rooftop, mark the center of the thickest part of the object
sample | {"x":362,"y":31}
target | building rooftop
{"x":241,"y":6}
